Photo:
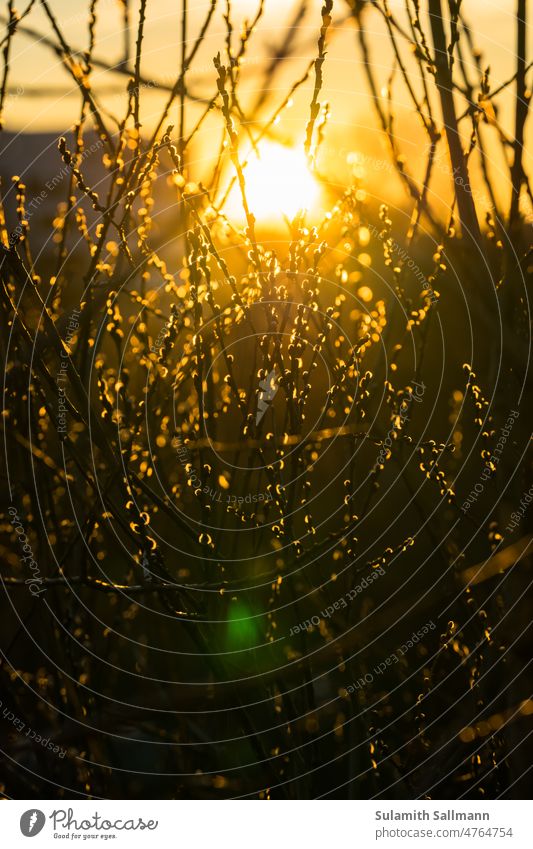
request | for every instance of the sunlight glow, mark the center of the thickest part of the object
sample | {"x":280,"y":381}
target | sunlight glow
{"x":278,"y":183}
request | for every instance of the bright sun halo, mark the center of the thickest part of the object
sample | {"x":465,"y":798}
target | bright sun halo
{"x":278,"y":182}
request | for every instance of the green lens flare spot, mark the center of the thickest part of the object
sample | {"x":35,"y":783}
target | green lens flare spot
{"x":242,"y":629}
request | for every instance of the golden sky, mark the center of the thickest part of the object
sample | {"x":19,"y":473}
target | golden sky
{"x":43,"y":98}
{"x":36,"y":68}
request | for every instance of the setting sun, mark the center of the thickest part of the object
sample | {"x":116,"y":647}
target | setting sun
{"x":278,"y":182}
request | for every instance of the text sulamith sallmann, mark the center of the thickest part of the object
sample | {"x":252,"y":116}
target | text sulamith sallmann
{"x":450,"y":814}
